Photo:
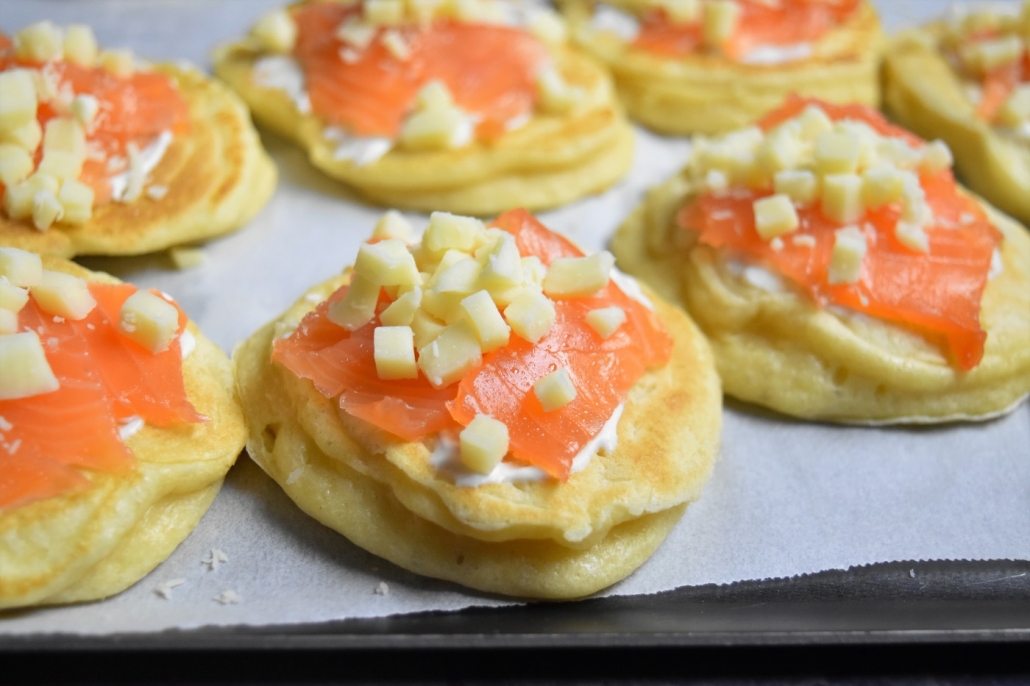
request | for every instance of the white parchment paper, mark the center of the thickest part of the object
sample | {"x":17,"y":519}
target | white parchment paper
{"x":786,"y":498}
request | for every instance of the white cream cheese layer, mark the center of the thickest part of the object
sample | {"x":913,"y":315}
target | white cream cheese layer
{"x":778,"y":54}
{"x":447,"y":460}
{"x":283,"y":73}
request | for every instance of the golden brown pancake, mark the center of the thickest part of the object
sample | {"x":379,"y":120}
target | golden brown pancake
{"x":539,"y":539}
{"x":704,"y":93}
{"x":550,"y":161}
{"x":924,"y":94}
{"x":218,"y":177}
{"x":781,"y":350}
{"x":95,"y":543}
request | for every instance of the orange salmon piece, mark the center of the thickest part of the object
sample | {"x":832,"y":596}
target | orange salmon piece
{"x":26,"y":476}
{"x":939,"y":292}
{"x":489,"y":70}
{"x":602,"y":370}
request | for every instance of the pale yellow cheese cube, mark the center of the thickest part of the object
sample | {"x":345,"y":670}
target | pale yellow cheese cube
{"x":912,"y":236}
{"x":936,"y":156}
{"x":782,"y":148}
{"x":20,"y":267}
{"x":181,"y":256}
{"x":8,"y":323}
{"x":80,"y":45}
{"x":276,"y":31}
{"x":84,"y":109}
{"x":149,"y":320}
{"x":76,"y":199}
{"x":898,"y":153}
{"x":426,"y":328}
{"x":575,"y":277}
{"x":395,"y":44}
{"x":119,"y":63}
{"x":447,"y":231}
{"x":849,"y":249}
{"x":486,"y":320}
{"x":530,"y":315}
{"x":451,"y":355}
{"x":402,"y":310}
{"x":1016,"y":109}
{"x":800,"y":185}
{"x":19,"y":199}
{"x":443,"y":306}
{"x":461,"y":277}
{"x":394,"y":352}
{"x":64,"y":134}
{"x":533,"y":272}
{"x":46,"y":210}
{"x":842,"y":197}
{"x":356,"y":33}
{"x":548,"y":26}
{"x":39,"y":42}
{"x":358,"y":305}
{"x":12,"y":298}
{"x":393,"y":225}
{"x":881,"y":184}
{"x":987,"y":55}
{"x":434,"y":95}
{"x":17,"y":99}
{"x":15,"y":164}
{"x":556,"y":390}
{"x":813,"y":121}
{"x":502,"y":265}
{"x":836,"y":152}
{"x":384,"y":12}
{"x":27,"y":136}
{"x":914,"y":207}
{"x":774,"y":216}
{"x":63,"y":295}
{"x":720,"y":21}
{"x":554,"y":94}
{"x":484,"y":443}
{"x":606,"y":320}
{"x":61,"y":165}
{"x":388,"y":263}
{"x":24,"y":369}
{"x":436,"y":267}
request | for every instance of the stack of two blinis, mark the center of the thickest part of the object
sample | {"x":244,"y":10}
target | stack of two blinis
{"x":469,"y":106}
{"x":839,"y":272}
{"x":487,"y":406}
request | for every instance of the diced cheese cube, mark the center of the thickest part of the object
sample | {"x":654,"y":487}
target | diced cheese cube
{"x":530,"y":315}
{"x":387,"y":263}
{"x":12,"y":298}
{"x":486,"y":320}
{"x":548,"y":26}
{"x":912,"y":236}
{"x":358,"y":305}
{"x":394,"y":352}
{"x":80,"y":45}
{"x":39,"y":42}
{"x":443,"y":306}
{"x":502,"y":270}
{"x":461,"y":277}
{"x":881,"y":184}
{"x":842,"y":197}
{"x":436,"y":129}
{"x":451,"y":355}
{"x":533,"y":272}
{"x":814,"y":121}
{"x":15,"y":164}
{"x":84,"y":109}
{"x":356,"y":33}
{"x":182,"y":257}
{"x":24,"y":370}
{"x":149,"y":320}
{"x":606,"y":321}
{"x":8,"y":324}
{"x":119,"y":63}
{"x":401,"y":311}
{"x":435,"y":264}
{"x":393,"y":225}
{"x":849,"y":249}
{"x":800,"y":185}
{"x":76,"y":199}
{"x":484,"y":443}
{"x":276,"y":31}
{"x":720,"y":21}
{"x":64,"y":134}
{"x":395,"y":44}
{"x":574,"y":277}
{"x":782,"y":149}
{"x":17,"y":98}
{"x":434,"y":95}
{"x":446,"y":231}
{"x":20,"y":198}
{"x":774,"y":216}
{"x":20,"y":267}
{"x":426,"y":328}
{"x":555,"y":95}
{"x":27,"y":136}
{"x":836,"y":152}
{"x":46,"y":210}
{"x":63,"y":295}
{"x":898,"y":152}
{"x":936,"y":156}
{"x":1016,"y":109}
{"x":989,"y":54}
{"x":914,"y":207}
{"x":555,"y":390}
{"x":384,"y":12}
{"x":61,"y":165}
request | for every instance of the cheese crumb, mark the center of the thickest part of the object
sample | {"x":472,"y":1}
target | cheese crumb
{"x":229,"y":597}
{"x":215,"y":559}
{"x":165,"y":589}
{"x":382,"y":589}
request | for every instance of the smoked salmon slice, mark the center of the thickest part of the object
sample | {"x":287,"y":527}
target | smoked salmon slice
{"x":938,"y":292}
{"x":342,"y":363}
{"x":489,"y":70}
